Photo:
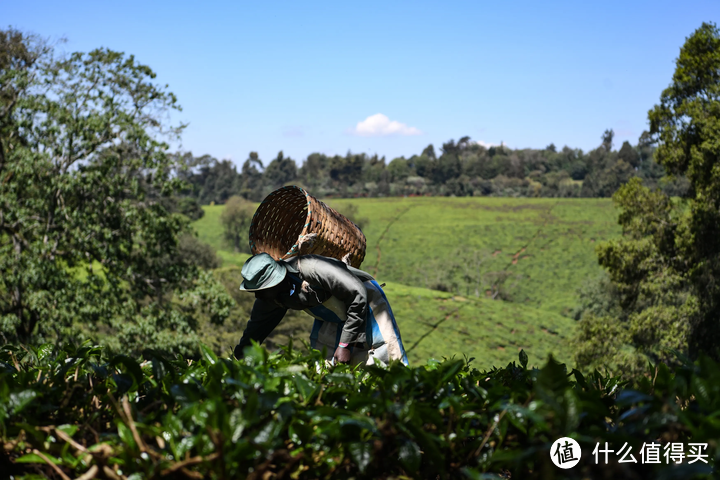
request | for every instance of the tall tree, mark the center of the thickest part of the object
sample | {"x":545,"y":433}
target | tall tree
{"x":629,"y":155}
{"x":314,"y":170}
{"x":347,"y":170}
{"x":686,"y":125}
{"x":236,"y":218}
{"x":84,"y":238}
{"x":399,"y":169}
{"x":251,"y":178}
{"x":217,"y":180}
{"x":607,"y":139}
{"x":429,"y":152}
{"x":666,"y":267}
{"x":280,"y":171}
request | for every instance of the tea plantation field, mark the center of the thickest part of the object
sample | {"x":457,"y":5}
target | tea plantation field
{"x":437,"y":324}
{"x":531,"y":255}
{"x":210,"y":230}
{"x":544,"y":249}
{"x":76,"y":412}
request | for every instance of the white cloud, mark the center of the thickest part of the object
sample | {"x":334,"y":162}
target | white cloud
{"x":486,"y":144}
{"x":379,"y":125}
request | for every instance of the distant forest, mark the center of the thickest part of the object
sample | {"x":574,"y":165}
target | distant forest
{"x":462,"y":168}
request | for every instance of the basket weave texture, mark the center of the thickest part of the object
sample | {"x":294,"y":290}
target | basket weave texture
{"x":285,"y":221}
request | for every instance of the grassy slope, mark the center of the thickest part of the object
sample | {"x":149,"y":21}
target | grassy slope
{"x":210,"y":231}
{"x":437,"y":324}
{"x":547,"y":246}
{"x":430,"y":236}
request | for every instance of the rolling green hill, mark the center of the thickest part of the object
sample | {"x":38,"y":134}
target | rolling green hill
{"x":210,"y":231}
{"x":539,"y":251}
{"x":437,"y":324}
{"x":533,"y":253}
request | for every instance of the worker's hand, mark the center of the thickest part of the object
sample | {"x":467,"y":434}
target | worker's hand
{"x":238,"y":352}
{"x":342,"y":355}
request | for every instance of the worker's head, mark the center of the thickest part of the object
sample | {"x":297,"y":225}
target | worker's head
{"x":263,"y":275}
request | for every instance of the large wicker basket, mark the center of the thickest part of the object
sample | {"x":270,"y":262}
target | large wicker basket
{"x":284,"y":224}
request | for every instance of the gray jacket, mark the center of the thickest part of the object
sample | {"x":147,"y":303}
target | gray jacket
{"x":326,"y":277}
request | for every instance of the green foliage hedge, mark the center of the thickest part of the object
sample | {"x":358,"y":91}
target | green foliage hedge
{"x":74,"y":412}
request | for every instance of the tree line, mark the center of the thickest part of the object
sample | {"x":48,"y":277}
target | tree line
{"x":459,"y":168}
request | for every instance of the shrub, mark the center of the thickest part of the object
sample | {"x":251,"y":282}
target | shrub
{"x":289,"y":415}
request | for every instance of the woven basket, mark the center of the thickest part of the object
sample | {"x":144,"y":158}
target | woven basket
{"x":289,"y":215}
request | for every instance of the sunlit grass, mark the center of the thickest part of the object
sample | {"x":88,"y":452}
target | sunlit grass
{"x":546,"y":247}
{"x":439,"y":324}
{"x":210,"y":230}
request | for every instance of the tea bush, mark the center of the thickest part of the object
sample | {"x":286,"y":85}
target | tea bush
{"x":73,"y":412}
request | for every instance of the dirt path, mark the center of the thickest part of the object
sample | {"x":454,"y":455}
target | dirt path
{"x":433,"y":327}
{"x":513,"y":261}
{"x":517,"y":254}
{"x":382,"y":235}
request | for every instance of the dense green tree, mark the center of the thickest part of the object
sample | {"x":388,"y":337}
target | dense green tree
{"x":463,"y":168}
{"x":629,"y":155}
{"x":398,"y":169}
{"x":236,"y":218}
{"x":86,"y":246}
{"x":611,"y":178}
{"x":578,"y":170}
{"x":194,"y":251}
{"x":483,"y":166}
{"x":251,"y":178}
{"x":666,"y":267}
{"x":280,"y":171}
{"x":656,"y":309}
{"x":314,"y":171}
{"x":429,"y":152}
{"x":421,"y":164}
{"x":447,"y":167}
{"x":347,"y":170}
{"x":450,"y":147}
{"x":217,"y":180}
{"x":686,"y":125}
{"x":607,"y":139}
{"x":374,"y":170}
{"x":188,"y":206}
{"x":605,"y":170}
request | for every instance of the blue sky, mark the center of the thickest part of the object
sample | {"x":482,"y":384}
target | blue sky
{"x":388,"y":77}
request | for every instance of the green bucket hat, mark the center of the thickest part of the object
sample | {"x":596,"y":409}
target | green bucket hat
{"x":262,"y":271}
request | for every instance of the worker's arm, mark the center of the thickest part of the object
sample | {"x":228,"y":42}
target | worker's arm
{"x":265,"y":316}
{"x":334,"y":277}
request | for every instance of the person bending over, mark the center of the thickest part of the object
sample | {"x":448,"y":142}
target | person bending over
{"x":353,"y":318}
